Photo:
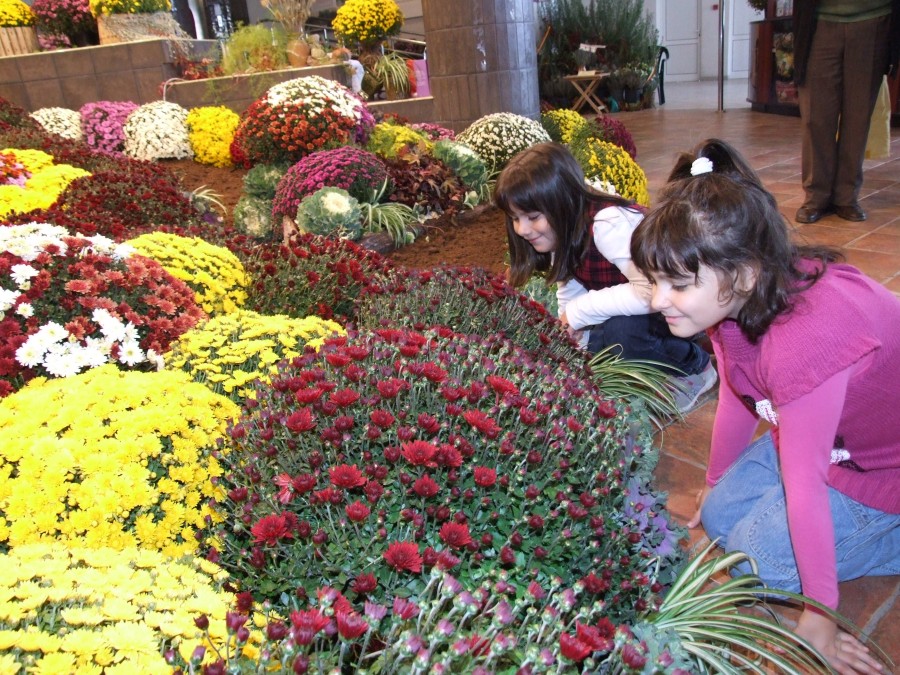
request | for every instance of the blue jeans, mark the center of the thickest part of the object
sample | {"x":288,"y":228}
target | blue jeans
{"x":647,"y":337}
{"x":746,"y":510}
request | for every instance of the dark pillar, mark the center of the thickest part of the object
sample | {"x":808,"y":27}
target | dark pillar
{"x":482,"y":59}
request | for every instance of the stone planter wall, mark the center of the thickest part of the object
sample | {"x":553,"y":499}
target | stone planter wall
{"x":69,"y":78}
{"x":143,"y":72}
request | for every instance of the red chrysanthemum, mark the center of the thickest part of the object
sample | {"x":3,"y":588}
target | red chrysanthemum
{"x":405,"y":609}
{"x":455,"y":535}
{"x":381,"y":418}
{"x":482,"y":422}
{"x":573,"y":648}
{"x":434,"y":372}
{"x":346,"y":476}
{"x":419,"y":453}
{"x":484,"y":476}
{"x":390,"y":388}
{"x":344,"y":397}
{"x":357,"y":511}
{"x":365,"y":584}
{"x":300,"y":421}
{"x":269,"y":530}
{"x":306,"y":624}
{"x":501,"y":385}
{"x":595,"y":636}
{"x":351,"y":625}
{"x":404,"y":556}
{"x":426,"y":487}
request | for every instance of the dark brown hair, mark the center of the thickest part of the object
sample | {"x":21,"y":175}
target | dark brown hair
{"x":547,"y":179}
{"x":726,"y":220}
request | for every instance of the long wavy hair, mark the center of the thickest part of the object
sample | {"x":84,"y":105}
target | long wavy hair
{"x":547,"y":179}
{"x":726,"y":220}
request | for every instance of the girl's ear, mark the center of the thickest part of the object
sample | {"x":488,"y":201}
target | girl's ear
{"x":745,"y":279}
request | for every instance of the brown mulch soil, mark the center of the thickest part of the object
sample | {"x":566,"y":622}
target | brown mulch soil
{"x":474,"y":238}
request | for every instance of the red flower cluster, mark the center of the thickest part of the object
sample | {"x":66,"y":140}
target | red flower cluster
{"x":68,"y":287}
{"x":273,"y":134}
{"x":315,"y":275}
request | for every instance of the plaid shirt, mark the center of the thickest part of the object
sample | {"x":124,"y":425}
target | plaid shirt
{"x":596,"y":272}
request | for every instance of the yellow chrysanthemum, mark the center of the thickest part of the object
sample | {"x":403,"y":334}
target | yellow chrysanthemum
{"x":106,"y":491}
{"x":210,"y":131}
{"x":229,"y":352}
{"x":215,"y":274}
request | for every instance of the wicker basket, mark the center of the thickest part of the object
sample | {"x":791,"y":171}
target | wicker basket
{"x":18,"y":40}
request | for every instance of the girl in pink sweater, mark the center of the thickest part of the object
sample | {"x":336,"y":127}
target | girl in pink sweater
{"x":805,"y":343}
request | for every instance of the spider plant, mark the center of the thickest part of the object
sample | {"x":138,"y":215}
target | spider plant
{"x":721,"y":629}
{"x":391,"y":217}
{"x":208,"y":198}
{"x":635,"y":379}
{"x":393,"y":73}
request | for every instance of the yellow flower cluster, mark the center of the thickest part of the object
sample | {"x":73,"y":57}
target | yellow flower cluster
{"x":214,"y":273}
{"x":229,"y":352}
{"x":387,"y":140}
{"x":367,"y":21}
{"x":210,"y":132}
{"x":15,"y":13}
{"x":110,"y":458}
{"x":608,"y":162}
{"x":92,"y":610}
{"x":562,"y":123}
{"x":99,"y":7}
{"x":47,"y":182}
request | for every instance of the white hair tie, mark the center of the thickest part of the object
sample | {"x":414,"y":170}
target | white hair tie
{"x":701,"y":165}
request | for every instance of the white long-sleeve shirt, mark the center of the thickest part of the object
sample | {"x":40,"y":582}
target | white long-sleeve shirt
{"x":612,"y":231}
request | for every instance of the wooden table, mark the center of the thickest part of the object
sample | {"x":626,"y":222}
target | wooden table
{"x":586,"y":84}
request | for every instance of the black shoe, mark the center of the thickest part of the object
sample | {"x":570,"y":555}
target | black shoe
{"x":852,"y":213}
{"x":808,"y":214}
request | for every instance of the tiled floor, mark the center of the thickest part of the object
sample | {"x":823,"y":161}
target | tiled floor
{"x":772,"y":145}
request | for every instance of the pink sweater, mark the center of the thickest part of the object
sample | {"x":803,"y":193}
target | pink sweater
{"x":827,"y":375}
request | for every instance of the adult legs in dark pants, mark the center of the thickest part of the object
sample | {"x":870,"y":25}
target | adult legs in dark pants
{"x":846,"y":64}
{"x":647,"y":337}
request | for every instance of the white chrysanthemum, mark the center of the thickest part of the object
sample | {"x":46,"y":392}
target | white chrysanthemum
{"x":156,"y":360}
{"x":60,"y":121}
{"x":52,"y":332}
{"x":30,"y":240}
{"x":316,"y":94}
{"x":157,"y":130}
{"x":7,"y":298}
{"x":60,"y":360}
{"x":497,"y":137}
{"x":31,"y":352}
{"x":130,"y":353}
{"x":25,"y":310}
{"x":20,"y":274}
{"x":112,"y":328}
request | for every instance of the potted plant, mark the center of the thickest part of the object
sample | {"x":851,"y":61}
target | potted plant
{"x":392,"y":73}
{"x":17,"y":27}
{"x":632,"y":83}
{"x":127,"y":20}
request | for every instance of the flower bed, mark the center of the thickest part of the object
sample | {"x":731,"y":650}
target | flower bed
{"x":443,"y":487}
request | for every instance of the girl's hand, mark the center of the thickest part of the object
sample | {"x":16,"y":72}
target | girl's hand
{"x":701,"y":497}
{"x":845,"y":653}
{"x":574,"y":334}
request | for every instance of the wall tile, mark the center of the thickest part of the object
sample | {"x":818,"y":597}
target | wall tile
{"x":9,"y":70}
{"x":15,"y":92}
{"x":34,"y":67}
{"x":73,"y":62}
{"x":45,"y":94}
{"x":79,"y":90}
